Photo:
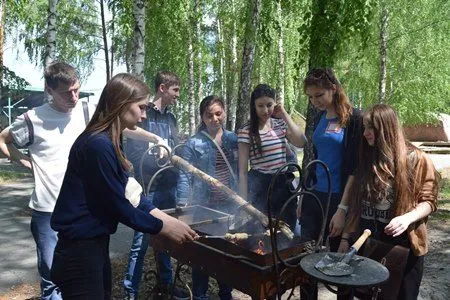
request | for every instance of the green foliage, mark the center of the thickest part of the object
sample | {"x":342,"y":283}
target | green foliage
{"x":339,"y":34}
{"x":78,"y":32}
{"x":11,"y":83}
{"x":417,"y":61}
{"x":123,"y":22}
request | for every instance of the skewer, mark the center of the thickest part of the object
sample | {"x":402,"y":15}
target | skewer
{"x":241,"y":236}
{"x":229,"y":236}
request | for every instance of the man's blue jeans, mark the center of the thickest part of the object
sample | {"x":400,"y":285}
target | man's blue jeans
{"x":46,"y":239}
{"x":162,"y":200}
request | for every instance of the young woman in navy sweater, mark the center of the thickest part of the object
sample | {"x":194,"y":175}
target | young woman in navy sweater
{"x":97,"y":194}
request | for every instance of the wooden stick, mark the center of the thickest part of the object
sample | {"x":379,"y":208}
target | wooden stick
{"x":182,"y":164}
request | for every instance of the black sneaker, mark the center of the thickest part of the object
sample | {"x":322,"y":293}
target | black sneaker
{"x":164,"y":291}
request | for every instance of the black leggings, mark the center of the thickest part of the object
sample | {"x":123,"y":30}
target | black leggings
{"x":82,"y":269}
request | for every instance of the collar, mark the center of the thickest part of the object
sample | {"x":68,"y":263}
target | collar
{"x":155,"y":108}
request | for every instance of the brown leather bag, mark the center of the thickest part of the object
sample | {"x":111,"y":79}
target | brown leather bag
{"x":394,"y":257}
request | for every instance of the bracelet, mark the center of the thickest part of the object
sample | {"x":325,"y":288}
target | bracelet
{"x":343,"y":207}
{"x":345,"y":239}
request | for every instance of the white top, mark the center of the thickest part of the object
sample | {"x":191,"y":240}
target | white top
{"x":54,"y":134}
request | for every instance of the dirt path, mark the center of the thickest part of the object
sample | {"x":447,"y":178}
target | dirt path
{"x":436,"y":278}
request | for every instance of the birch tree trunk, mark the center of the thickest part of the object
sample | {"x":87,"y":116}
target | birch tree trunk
{"x":280,"y":67}
{"x":138,"y":56}
{"x":243,"y":105}
{"x":383,"y":52}
{"x":113,"y":32}
{"x":231,"y":75}
{"x":191,"y":83}
{"x":198,"y":48}
{"x":105,"y":41}
{"x":50,"y":48}
{"x":221,"y":56}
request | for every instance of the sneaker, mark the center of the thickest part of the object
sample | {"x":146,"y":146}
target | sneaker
{"x":163,"y":291}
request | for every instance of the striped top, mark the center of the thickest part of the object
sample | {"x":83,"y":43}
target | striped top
{"x":223,"y":175}
{"x":273,"y":145}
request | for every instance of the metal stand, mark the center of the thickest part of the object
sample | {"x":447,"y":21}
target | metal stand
{"x":304,"y":188}
{"x":367,"y":273}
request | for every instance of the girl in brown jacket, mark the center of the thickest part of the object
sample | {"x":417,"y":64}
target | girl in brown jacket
{"x":395,"y":190}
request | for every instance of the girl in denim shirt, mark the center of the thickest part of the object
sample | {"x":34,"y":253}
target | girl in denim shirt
{"x":201,"y":150}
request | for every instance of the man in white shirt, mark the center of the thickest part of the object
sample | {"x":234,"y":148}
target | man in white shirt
{"x":48,"y":131}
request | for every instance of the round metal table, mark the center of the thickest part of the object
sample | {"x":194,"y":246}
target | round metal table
{"x":367,"y":272}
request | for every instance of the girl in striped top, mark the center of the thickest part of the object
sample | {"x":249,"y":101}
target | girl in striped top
{"x":264,"y":142}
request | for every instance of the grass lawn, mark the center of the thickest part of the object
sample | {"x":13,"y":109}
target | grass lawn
{"x":10,"y":176}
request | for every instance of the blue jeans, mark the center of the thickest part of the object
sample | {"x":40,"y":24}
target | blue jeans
{"x":162,"y":200}
{"x":46,"y":239}
{"x":200,"y":286}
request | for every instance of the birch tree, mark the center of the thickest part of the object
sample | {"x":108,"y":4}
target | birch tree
{"x":383,"y":50}
{"x":280,"y":53}
{"x":138,"y":56}
{"x":191,"y":82}
{"x":105,"y":41}
{"x":50,"y":48}
{"x":243,"y":104}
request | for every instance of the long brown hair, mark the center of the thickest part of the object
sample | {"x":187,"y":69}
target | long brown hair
{"x":261,"y":90}
{"x":122,"y":90}
{"x":384,"y":167}
{"x":325,"y":78}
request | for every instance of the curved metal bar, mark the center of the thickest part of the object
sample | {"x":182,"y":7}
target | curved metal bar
{"x":285,"y":275}
{"x":281,"y":213}
{"x":178,"y":277}
{"x":141,"y":164}
{"x":174,"y":150}
{"x":147,"y":190}
{"x":339,"y":290}
{"x":325,"y":217}
{"x":272,"y":229}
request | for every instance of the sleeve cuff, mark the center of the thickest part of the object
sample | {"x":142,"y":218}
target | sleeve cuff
{"x":145,"y":204}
